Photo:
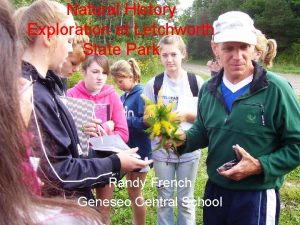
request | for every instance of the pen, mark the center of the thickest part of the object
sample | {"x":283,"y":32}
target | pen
{"x":99,"y":131}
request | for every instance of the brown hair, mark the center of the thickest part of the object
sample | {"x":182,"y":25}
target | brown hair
{"x":78,"y":45}
{"x":18,"y":14}
{"x":18,"y":204}
{"x":174,"y":39}
{"x":101,"y":60}
{"x":42,"y":12}
{"x":12,"y":147}
{"x":125,"y":68}
{"x":268,"y":47}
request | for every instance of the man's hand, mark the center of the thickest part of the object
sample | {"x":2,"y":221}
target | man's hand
{"x":248,"y":166}
{"x":181,"y":136}
{"x":130,"y":162}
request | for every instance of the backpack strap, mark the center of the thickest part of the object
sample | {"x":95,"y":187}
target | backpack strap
{"x":193,"y":84}
{"x":158,"y":80}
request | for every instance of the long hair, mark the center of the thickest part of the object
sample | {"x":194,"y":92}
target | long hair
{"x":42,"y":12}
{"x":12,"y":151}
{"x":129,"y":68}
{"x":268,"y":47}
{"x":18,"y":204}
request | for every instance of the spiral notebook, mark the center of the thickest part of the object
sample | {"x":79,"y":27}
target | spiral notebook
{"x":82,"y":111}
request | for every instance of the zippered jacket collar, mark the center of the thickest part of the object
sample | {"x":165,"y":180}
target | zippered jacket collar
{"x":136,"y":88}
{"x":259,"y":81}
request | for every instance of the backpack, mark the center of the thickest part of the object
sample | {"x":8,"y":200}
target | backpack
{"x":192,"y":82}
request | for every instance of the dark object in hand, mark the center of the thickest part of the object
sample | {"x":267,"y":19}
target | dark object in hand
{"x":228,"y":165}
{"x":232,"y":163}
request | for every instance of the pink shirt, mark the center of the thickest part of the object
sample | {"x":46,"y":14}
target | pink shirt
{"x":109,"y":96}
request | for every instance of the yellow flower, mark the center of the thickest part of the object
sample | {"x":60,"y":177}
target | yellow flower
{"x":159,"y":98}
{"x":156,"y":129}
{"x":150,"y":110}
{"x":170,"y":106}
{"x":168,"y":127}
{"x":172,"y":116}
{"x":161,"y":121}
{"x":146,"y":100}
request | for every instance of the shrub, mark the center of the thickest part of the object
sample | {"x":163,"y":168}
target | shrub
{"x":74,"y":79}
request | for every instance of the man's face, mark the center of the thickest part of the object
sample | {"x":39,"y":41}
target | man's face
{"x":235,"y":58}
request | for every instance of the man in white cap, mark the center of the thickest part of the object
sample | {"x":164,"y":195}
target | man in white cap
{"x":249,"y":117}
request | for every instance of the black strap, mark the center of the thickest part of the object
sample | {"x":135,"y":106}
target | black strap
{"x":192,"y":82}
{"x":157,"y":84}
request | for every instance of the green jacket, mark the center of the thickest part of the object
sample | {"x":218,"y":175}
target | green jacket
{"x":265,"y":121}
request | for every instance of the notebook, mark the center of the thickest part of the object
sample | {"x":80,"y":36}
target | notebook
{"x":82,"y":111}
{"x":111,"y":143}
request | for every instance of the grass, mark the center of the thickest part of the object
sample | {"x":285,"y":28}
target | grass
{"x":289,"y":69}
{"x":290,"y":198}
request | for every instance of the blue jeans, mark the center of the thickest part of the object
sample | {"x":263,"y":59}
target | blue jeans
{"x":185,"y":174}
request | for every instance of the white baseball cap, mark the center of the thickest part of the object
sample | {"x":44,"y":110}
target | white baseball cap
{"x":234,"y":26}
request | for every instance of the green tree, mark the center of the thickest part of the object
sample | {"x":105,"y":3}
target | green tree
{"x":277,"y":19}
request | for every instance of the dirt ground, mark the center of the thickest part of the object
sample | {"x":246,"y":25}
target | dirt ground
{"x":199,"y":69}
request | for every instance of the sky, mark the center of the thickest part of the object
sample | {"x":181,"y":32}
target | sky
{"x":184,"y":4}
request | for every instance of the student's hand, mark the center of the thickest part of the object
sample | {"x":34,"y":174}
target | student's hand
{"x":91,"y":128}
{"x":110,"y":124}
{"x":248,"y":166}
{"x":130,"y":162}
{"x":183,"y":116}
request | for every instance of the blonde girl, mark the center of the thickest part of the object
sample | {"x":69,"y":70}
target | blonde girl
{"x":175,"y":82}
{"x":265,"y":49}
{"x":61,"y":163}
{"x":127,"y":76}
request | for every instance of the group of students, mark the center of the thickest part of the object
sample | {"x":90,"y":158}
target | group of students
{"x":47,"y":130}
